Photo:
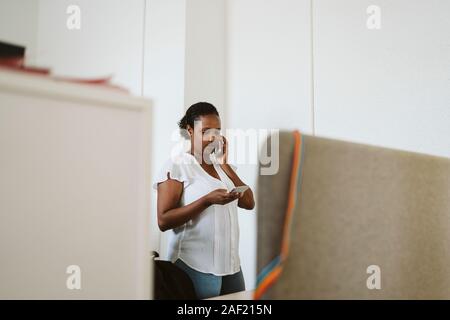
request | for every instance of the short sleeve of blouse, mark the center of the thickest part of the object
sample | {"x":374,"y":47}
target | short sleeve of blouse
{"x":177,"y":171}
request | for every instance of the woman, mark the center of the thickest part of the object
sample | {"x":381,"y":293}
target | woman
{"x":194,"y":202}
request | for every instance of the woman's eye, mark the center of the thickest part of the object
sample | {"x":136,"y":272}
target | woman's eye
{"x":209,"y":134}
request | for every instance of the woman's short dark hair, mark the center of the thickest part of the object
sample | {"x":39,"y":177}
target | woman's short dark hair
{"x":193,"y":113}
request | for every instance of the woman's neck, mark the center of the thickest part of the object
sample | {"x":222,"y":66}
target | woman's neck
{"x":199,"y":157}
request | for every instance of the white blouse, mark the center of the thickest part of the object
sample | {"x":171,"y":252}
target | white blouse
{"x":209,"y":242}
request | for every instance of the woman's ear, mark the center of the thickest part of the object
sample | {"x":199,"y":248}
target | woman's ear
{"x":190,"y":130}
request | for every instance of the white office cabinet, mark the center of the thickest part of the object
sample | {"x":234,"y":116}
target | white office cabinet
{"x":74,"y":191}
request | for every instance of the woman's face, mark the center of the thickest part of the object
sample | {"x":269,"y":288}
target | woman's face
{"x":206,"y":130}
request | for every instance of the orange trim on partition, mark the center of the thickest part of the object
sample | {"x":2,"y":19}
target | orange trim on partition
{"x":292,"y":195}
{"x":274,"y":274}
{"x":268,"y":281}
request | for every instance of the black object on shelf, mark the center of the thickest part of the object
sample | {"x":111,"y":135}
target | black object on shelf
{"x":9,"y":50}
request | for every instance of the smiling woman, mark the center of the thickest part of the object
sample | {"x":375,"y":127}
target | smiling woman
{"x":196,"y":205}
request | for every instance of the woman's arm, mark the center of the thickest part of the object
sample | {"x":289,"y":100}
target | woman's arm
{"x":171,"y":215}
{"x":246,"y":201}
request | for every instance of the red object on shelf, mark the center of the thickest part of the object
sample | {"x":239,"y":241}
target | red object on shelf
{"x":14,"y":62}
{"x":105,"y":82}
{"x":17,"y":64}
{"x":12,"y":58}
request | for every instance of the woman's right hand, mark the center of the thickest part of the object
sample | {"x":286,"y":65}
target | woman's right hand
{"x":220,"y":196}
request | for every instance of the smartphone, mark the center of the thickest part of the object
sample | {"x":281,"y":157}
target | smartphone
{"x":240,"y":189}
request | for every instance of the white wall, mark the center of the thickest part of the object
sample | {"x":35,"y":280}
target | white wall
{"x":110,"y":41}
{"x":387,"y":87}
{"x":164,"y":83}
{"x":268,"y":85}
{"x":23,"y":33}
{"x":205,"y":52}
